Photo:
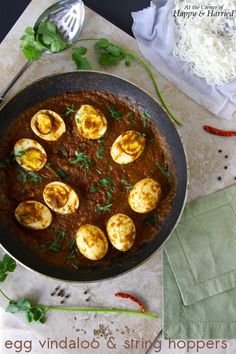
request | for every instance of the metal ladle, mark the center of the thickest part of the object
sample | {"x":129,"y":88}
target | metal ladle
{"x":68,"y":16}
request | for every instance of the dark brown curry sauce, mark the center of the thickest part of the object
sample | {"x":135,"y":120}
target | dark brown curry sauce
{"x":57,"y":243}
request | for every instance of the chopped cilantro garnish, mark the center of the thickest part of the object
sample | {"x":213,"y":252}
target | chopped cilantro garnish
{"x":127,"y":184}
{"x":82,"y":158}
{"x":114,"y":113}
{"x":162,"y":169}
{"x":29,"y":177}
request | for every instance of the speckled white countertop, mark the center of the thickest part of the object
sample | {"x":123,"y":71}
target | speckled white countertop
{"x":205,"y":165}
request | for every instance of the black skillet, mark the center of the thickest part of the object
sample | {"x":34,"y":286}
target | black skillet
{"x":80,"y":81}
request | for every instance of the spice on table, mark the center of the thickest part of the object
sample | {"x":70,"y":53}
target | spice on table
{"x":132,"y":298}
{"x":219,"y":132}
{"x":225,"y":167}
{"x":219,"y":178}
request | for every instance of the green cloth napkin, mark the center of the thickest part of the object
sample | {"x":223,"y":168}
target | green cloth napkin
{"x":200,"y":270}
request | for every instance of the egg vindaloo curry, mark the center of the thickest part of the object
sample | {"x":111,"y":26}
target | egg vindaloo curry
{"x":85,"y":177}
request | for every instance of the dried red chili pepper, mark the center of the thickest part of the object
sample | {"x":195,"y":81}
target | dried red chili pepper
{"x":219,"y":132}
{"x":132,"y":298}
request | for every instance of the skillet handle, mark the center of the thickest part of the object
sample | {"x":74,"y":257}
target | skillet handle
{"x":16,"y":77}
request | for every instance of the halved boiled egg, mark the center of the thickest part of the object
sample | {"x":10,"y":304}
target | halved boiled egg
{"x":30,"y":154}
{"x":48,"y":125}
{"x":128,"y":147}
{"x":121,"y":231}
{"x":61,"y":198}
{"x":91,"y":122}
{"x":145,"y":195}
{"x":33,"y":215}
{"x":91,"y":242}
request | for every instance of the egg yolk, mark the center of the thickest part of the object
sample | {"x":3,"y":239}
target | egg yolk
{"x":29,"y":213}
{"x":33,"y":158}
{"x":56,"y":195}
{"x":92,"y":123}
{"x":44,"y":123}
{"x":132,"y":142}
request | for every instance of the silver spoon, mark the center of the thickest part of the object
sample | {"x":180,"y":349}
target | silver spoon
{"x":68,"y":16}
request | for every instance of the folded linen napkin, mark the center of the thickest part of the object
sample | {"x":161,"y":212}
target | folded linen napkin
{"x":200,"y":270}
{"x":155,"y":31}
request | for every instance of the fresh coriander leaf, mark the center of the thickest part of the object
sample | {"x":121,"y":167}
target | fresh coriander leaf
{"x":50,"y":37}
{"x":34,"y":177}
{"x":69,"y":110}
{"x":30,"y":177}
{"x":11,"y":158}
{"x":33,"y":313}
{"x":114,"y":113}
{"x":103,"y":208}
{"x":100,"y":152}
{"x":18,"y":306}
{"x":146,"y":118}
{"x":54,"y":245}
{"x":82,"y":159}
{"x":94,"y":188}
{"x":127,"y":61}
{"x":162,"y":169}
{"x":127,"y":184}
{"x":7,"y":264}
{"x":36,"y":314}
{"x":12,"y":307}
{"x":78,"y":57}
{"x":61,"y":173}
{"x":108,"y":53}
{"x":32,"y":49}
{"x":109,"y":197}
{"x":22,"y":176}
{"x":107,"y":181}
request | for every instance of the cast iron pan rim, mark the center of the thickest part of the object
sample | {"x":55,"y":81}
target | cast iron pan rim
{"x":183,"y":193}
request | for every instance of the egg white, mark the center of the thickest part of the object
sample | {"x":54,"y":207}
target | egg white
{"x":61,"y":198}
{"x":48,"y":125}
{"x":128,"y":147}
{"x":30,"y":154}
{"x":33,"y":215}
{"x":145,"y":195}
{"x":91,"y":242}
{"x":121,"y":231}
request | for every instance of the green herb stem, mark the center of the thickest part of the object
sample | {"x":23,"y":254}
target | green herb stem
{"x":6,"y":297}
{"x":150,"y":72}
{"x":78,"y":309}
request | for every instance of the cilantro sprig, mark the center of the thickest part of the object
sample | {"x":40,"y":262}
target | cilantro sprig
{"x":46,"y":36}
{"x":37,"y":312}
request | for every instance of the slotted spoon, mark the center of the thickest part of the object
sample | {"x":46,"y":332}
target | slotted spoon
{"x":68,"y":16}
